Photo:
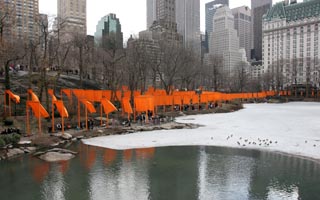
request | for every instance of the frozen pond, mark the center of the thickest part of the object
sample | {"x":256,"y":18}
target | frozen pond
{"x":291,"y":128}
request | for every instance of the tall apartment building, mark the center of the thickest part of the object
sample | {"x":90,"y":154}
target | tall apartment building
{"x":258,"y":9}
{"x":165,"y":26}
{"x":188,"y":22}
{"x":109,"y":25}
{"x":211,"y":8}
{"x":291,"y":45}
{"x":184,"y":13}
{"x":72,"y":16}
{"x":242,"y":23}
{"x":21,"y":19}
{"x":224,"y":40}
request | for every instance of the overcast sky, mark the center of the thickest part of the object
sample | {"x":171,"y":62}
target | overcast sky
{"x":132,"y":13}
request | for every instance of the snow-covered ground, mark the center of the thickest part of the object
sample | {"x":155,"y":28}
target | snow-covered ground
{"x":292,"y":128}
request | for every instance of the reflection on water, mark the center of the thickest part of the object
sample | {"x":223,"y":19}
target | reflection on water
{"x":162,"y":173}
{"x":219,"y":175}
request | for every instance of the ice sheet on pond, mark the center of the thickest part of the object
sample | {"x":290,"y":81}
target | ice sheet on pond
{"x":292,"y":128}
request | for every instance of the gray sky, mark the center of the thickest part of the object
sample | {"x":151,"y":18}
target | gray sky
{"x":132,"y":13}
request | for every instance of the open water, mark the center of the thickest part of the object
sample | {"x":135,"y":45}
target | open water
{"x":162,"y":173}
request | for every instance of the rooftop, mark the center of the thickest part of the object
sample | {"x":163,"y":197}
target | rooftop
{"x":294,"y":12}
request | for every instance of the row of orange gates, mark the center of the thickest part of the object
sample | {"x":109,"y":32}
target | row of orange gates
{"x":142,"y":103}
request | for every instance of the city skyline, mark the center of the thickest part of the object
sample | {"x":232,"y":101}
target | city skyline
{"x":132,"y":21}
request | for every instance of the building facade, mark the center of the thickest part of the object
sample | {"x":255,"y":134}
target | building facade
{"x":258,"y":9}
{"x":21,"y":19}
{"x":291,"y":45}
{"x":211,"y":8}
{"x":151,"y":12}
{"x":224,"y":40}
{"x":72,"y":16}
{"x":242,"y":23}
{"x":188,"y":23}
{"x":109,"y":26}
{"x":165,"y":26}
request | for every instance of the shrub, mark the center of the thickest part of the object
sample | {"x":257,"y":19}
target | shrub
{"x":2,"y":142}
{"x":10,"y":139}
{"x":15,"y":138}
{"x":6,"y":139}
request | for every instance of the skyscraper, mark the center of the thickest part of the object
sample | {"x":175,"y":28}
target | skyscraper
{"x":109,"y":25}
{"x":211,"y":8}
{"x":242,"y":23}
{"x":165,"y":26}
{"x":224,"y":40}
{"x":72,"y":16}
{"x":188,"y":23}
{"x":258,"y":9}
{"x":21,"y":19}
{"x":151,"y":12}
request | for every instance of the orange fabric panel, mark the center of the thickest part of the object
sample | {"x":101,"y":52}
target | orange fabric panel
{"x":12,"y":96}
{"x":160,"y":92}
{"x":108,"y":107}
{"x":144,"y":103}
{"x":80,"y":94}
{"x":159,"y":100}
{"x":54,"y":98}
{"x":168,"y":100}
{"x":34,"y":97}
{"x":38,"y":109}
{"x":186,"y":99}
{"x":106,"y":94}
{"x":126,"y":106}
{"x":118,"y":95}
{"x":97,"y":95}
{"x":61,"y":109}
{"x":89,"y":106}
{"x":136,"y":93}
{"x":89,"y":95}
{"x":203,"y":98}
{"x":177,"y":100}
{"x":195,"y":99}
{"x":127,"y":94}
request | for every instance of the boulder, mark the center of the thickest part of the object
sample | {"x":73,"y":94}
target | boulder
{"x":14,"y":152}
{"x":59,"y":150}
{"x":66,"y":136}
{"x":56,"y":156}
{"x":31,"y":149}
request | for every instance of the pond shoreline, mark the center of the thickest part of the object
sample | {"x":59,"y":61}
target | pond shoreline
{"x":36,"y":143}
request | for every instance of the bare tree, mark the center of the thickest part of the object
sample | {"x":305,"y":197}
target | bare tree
{"x":59,"y":51}
{"x":169,"y":63}
{"x":112,"y":59}
{"x":190,"y":69}
{"x":213,"y":71}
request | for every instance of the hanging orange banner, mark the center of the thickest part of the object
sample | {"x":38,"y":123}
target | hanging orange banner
{"x":38,"y":109}
{"x":13,"y":97}
{"x":61,"y":109}
{"x":108,"y":107}
{"x":88,"y":105}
